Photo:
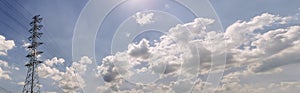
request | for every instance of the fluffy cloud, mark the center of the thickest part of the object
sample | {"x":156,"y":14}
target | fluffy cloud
{"x":4,"y":74}
{"x":263,"y":51}
{"x":246,"y":45}
{"x":242,"y":32}
{"x":5,"y":45}
{"x":139,"y":50}
{"x":280,"y":48}
{"x":69,"y":80}
{"x":188,"y":47}
{"x":54,"y":60}
{"x":176,"y":52}
{"x":144,"y":18}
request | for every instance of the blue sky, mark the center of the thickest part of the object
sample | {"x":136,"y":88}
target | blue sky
{"x":123,"y":29}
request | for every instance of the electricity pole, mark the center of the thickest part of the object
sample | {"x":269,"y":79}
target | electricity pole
{"x":32,"y":79}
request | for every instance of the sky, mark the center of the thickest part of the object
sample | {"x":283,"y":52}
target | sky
{"x":154,"y":46}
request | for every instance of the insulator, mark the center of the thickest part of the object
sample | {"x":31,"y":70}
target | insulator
{"x":39,"y":61}
{"x":39,"y":43}
{"x":40,"y":20}
{"x":39,"y":52}
{"x":32,"y":54}
{"x":30,"y":38}
{"x":39,"y":35}
{"x":36,"y":17}
{"x":31,"y":23}
{"x":40,"y":27}
{"x":28,"y":64}
{"x":30,"y":30}
{"x":36,"y":44}
{"x":29,"y":55}
{"x":30,"y":46}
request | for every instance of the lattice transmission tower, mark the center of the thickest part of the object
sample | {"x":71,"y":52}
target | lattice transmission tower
{"x":32,"y":79}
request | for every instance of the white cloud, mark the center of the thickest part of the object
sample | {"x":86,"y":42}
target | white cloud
{"x":144,"y":18}
{"x":259,"y":52}
{"x":139,"y":50}
{"x":178,"y":52}
{"x":21,"y":83}
{"x":242,"y":32}
{"x":247,"y":46}
{"x":26,"y":45}
{"x":270,"y":50}
{"x":46,"y":71}
{"x":7,"y":70}
{"x":3,"y":63}
{"x":286,"y":86}
{"x":284,"y":57}
{"x":165,"y":57}
{"x":70,"y":80}
{"x":4,"y":74}
{"x":54,"y":60}
{"x":231,"y":83}
{"x":108,"y":71}
{"x":5,"y":45}
{"x":50,"y":92}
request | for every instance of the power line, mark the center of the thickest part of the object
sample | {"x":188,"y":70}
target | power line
{"x":47,"y":39}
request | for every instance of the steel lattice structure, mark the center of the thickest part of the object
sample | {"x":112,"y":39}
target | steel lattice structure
{"x":32,"y":79}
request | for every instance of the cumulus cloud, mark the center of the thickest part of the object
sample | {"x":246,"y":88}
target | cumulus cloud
{"x":5,"y":45}
{"x":70,"y":80}
{"x":268,"y":50}
{"x":54,"y":60}
{"x":258,"y":52}
{"x":4,"y":74}
{"x":144,"y":18}
{"x":246,"y":45}
{"x":6,"y":70}
{"x":242,"y":32}
{"x":176,"y":52}
{"x":261,"y":52}
{"x":139,"y":50}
